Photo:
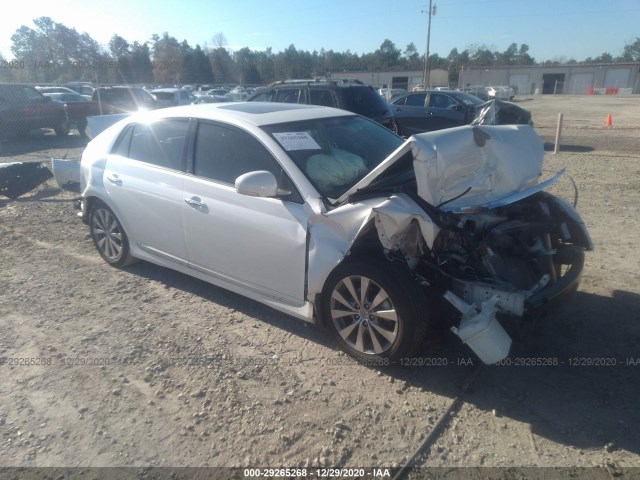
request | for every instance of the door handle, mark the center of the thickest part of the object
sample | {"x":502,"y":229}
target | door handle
{"x":114,"y":179}
{"x":195,"y":202}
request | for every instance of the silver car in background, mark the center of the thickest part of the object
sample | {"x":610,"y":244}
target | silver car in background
{"x":324,"y":214}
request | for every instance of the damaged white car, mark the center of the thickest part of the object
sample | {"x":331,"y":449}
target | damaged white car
{"x":323,"y":214}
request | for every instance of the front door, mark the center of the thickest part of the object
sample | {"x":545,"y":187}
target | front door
{"x":254,"y":242}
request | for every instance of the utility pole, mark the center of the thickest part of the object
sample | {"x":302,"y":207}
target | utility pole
{"x":426,"y":80}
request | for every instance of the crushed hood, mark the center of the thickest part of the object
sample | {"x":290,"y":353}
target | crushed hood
{"x":493,"y":162}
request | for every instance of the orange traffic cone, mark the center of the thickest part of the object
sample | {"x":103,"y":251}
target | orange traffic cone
{"x":609,"y":121}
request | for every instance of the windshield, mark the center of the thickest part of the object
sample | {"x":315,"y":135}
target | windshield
{"x":335,"y":153}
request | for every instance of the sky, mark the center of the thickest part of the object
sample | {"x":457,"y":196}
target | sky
{"x":553,"y":29}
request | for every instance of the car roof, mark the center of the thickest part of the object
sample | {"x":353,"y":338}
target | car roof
{"x":255,"y":113}
{"x":167,"y":90}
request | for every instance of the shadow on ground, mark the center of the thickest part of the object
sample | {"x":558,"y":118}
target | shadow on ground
{"x":584,"y":394}
{"x":40,"y":141}
{"x":549,"y":147}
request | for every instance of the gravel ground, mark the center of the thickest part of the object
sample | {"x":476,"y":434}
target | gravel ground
{"x":149,"y":367}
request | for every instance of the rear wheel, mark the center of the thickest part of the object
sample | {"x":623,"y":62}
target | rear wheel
{"x":62,"y":128}
{"x":82,"y":127}
{"x":109,"y":237}
{"x":375,"y":309}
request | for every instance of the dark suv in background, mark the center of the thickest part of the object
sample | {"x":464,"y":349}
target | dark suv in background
{"x":351,"y":95}
{"x":23,"y":108}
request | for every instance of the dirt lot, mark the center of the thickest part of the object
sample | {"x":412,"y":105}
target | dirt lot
{"x":148,"y":367}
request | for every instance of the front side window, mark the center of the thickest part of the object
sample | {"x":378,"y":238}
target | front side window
{"x":160,"y":143}
{"x":223,"y":154}
{"x":290,"y":95}
{"x":438,"y":100}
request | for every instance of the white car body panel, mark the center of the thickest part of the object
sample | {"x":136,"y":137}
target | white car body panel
{"x":155,"y":224}
{"x":247,"y":239}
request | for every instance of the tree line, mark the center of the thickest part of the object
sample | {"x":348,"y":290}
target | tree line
{"x":54,"y":53}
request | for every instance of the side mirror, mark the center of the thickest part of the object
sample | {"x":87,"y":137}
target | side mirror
{"x":257,"y":184}
{"x":456,"y":108}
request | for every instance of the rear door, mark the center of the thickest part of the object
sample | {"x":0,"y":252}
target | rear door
{"x":410,"y":113}
{"x":144,"y":178}
{"x":253,"y":242}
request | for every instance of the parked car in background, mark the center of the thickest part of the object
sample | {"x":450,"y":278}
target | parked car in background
{"x":45,"y":90}
{"x":214,"y":95}
{"x":78,"y":108}
{"x":324,"y":214}
{"x":83,"y":88}
{"x":23,"y":108}
{"x":351,"y":95}
{"x":172,"y":97}
{"x":433,"y":110}
{"x":500,"y":93}
{"x":123,"y":99}
{"x":492,"y":93}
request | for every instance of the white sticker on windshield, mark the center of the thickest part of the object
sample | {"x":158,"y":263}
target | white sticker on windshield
{"x":296,"y":141}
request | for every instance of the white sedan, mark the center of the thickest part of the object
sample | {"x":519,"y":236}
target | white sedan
{"x":324,"y":214}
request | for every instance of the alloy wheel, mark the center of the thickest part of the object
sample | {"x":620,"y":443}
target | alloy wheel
{"x":364,"y":315}
{"x":107,"y":234}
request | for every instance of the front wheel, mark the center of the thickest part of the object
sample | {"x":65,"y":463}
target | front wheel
{"x":109,"y":237}
{"x":375,"y":309}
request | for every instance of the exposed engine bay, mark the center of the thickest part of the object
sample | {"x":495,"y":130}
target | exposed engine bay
{"x":485,"y":235}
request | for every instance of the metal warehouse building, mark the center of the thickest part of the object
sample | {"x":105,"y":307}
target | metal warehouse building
{"x":613,"y":78}
{"x":397,"y":79}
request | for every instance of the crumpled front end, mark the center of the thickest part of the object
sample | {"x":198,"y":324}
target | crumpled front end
{"x":478,"y":230}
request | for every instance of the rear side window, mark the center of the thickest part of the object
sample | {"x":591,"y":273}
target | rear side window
{"x":416,"y":100}
{"x":321,"y":97}
{"x":160,"y":143}
{"x":267,"y":96}
{"x":438,"y":100}
{"x":122,"y":145}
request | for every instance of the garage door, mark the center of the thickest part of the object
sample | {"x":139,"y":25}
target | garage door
{"x":581,"y":83}
{"x":520,"y":83}
{"x":617,"y":78}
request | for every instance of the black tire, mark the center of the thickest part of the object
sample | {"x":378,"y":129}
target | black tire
{"x":109,"y":237}
{"x":391,"y":322}
{"x":62,"y":128}
{"x":82,"y":127}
